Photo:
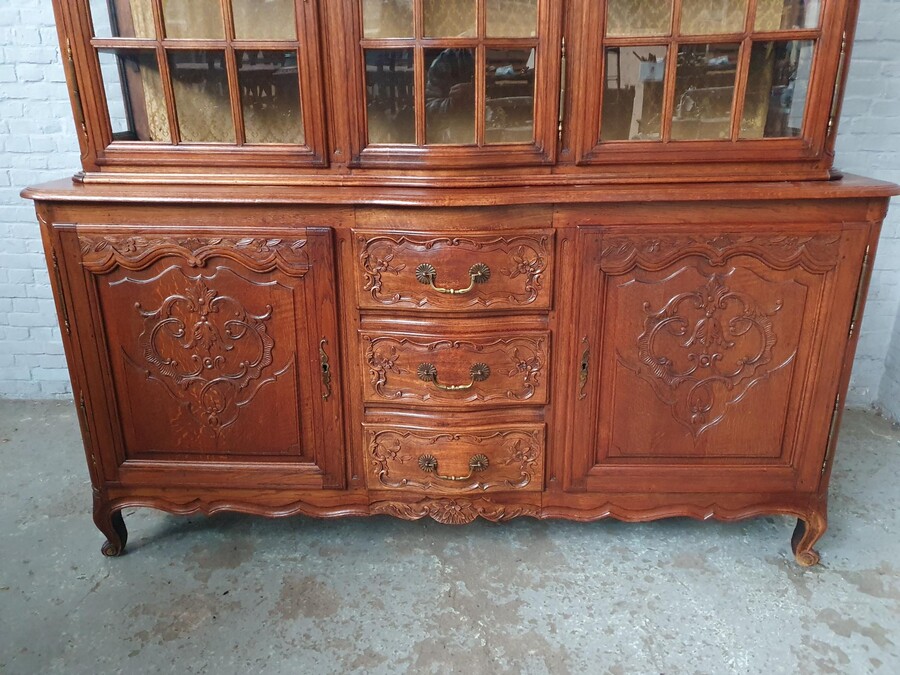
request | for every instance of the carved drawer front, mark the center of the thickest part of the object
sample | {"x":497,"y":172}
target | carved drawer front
{"x":477,"y":459}
{"x":444,"y":369}
{"x":454,"y":272}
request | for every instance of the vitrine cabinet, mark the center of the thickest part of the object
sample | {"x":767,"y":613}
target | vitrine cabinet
{"x":460,"y":259}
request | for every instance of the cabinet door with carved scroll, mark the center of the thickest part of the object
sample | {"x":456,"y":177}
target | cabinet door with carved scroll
{"x":217,"y":352}
{"x":710,"y":363}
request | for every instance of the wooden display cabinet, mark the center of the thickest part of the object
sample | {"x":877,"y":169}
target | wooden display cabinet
{"x":460,"y":259}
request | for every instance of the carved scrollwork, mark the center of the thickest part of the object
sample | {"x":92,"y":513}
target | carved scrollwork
{"x":704,"y":349}
{"x":103,"y":253}
{"x":210,"y":352}
{"x":455,"y":511}
{"x":815,"y":252}
{"x":394,"y":454}
{"x":525,"y":257}
{"x":522,"y":359}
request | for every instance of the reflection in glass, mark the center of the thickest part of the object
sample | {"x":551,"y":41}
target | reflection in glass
{"x":200,"y":84}
{"x":390,"y":96}
{"x":704,"y":91}
{"x":787,"y":14}
{"x":267,"y":20}
{"x":511,"y":18}
{"x":633,"y":98}
{"x":388,"y":18}
{"x":270,"y":96}
{"x":777,"y":89}
{"x":134,"y":95}
{"x":708,"y":17}
{"x":449,"y":18}
{"x":450,"y":96}
{"x":123,"y":18}
{"x":193,"y":19}
{"x":509,"y":99}
{"x":638,"y":17}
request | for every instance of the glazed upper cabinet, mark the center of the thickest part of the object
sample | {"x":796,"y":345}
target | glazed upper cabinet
{"x":708,"y":361}
{"x":614,"y":90}
{"x":206,"y":340}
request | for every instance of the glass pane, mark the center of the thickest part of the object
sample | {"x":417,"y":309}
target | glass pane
{"x":270,"y":97}
{"x":704,"y":90}
{"x":509,"y":100}
{"x":264,"y":19}
{"x":633,"y":97}
{"x":134,"y":94}
{"x":450,"y":96}
{"x":777,"y":89}
{"x":123,"y":18}
{"x":193,"y":19}
{"x":200,"y":83}
{"x":449,"y":18}
{"x":787,"y":14}
{"x":639,"y":17}
{"x":511,"y":18}
{"x":388,"y":18}
{"x":390,"y":96}
{"x":708,"y":17}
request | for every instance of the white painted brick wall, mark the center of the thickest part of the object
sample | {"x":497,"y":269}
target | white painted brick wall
{"x":38,"y":143}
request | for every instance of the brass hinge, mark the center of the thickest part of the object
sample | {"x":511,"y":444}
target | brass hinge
{"x":562,"y":86}
{"x":76,"y":90}
{"x":857,"y":306}
{"x":842,"y":63}
{"x":62,"y":294}
{"x":829,"y":448}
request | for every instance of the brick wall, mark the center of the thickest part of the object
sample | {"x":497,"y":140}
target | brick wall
{"x":37,"y":143}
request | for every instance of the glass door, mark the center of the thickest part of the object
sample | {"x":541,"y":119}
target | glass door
{"x":458,"y":82}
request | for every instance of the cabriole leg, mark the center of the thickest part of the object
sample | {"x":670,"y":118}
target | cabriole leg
{"x":110,"y":522}
{"x":808,"y":531}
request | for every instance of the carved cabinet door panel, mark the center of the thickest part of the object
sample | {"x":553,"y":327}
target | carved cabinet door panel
{"x":218,"y":353}
{"x":710,"y":362}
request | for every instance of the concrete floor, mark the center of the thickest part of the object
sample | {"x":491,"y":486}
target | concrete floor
{"x":236,"y":594}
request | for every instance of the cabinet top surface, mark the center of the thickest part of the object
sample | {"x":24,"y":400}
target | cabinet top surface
{"x":848,"y":187}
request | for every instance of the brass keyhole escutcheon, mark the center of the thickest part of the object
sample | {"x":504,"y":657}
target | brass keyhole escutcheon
{"x":479,"y":273}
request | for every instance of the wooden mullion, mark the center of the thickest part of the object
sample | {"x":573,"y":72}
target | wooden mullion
{"x":164,"y":75}
{"x":234,"y":88}
{"x":419,"y":70}
{"x":742,"y":76}
{"x":480,"y":93}
{"x":668,"y":109}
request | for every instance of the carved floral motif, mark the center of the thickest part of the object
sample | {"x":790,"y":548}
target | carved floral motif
{"x":455,"y":511}
{"x":100,"y":254}
{"x":209,"y":351}
{"x":704,"y":349}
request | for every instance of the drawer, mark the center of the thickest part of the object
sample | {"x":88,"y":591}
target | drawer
{"x":446,"y":368}
{"x":476,"y":459}
{"x":454,"y":272}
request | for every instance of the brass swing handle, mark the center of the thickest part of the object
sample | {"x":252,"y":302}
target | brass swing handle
{"x":429,"y":464}
{"x":479,"y":372}
{"x":479,"y":273}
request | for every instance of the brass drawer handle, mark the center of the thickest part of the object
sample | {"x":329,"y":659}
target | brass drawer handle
{"x":479,"y":372}
{"x":479,"y":273}
{"x":429,"y":464}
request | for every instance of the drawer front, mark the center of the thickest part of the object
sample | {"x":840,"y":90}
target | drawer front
{"x":444,"y":369}
{"x":408,"y":270}
{"x":477,"y":459}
